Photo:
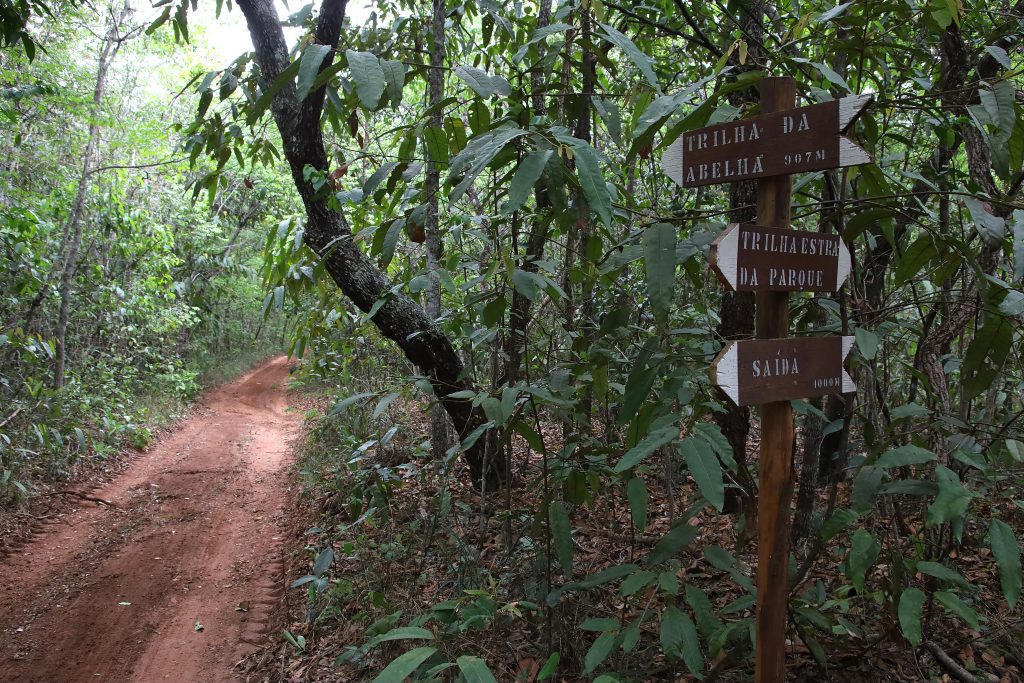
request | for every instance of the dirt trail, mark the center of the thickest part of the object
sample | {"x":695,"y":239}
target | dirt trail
{"x":119,"y":594}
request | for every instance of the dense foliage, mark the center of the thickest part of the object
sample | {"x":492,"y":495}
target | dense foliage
{"x":484,"y":224}
{"x":110,"y":273}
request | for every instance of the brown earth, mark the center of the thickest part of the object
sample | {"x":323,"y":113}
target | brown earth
{"x":183,"y":576}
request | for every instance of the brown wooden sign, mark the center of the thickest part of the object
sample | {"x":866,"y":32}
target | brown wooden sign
{"x":760,"y":371}
{"x":773,"y":144}
{"x":751,"y":258}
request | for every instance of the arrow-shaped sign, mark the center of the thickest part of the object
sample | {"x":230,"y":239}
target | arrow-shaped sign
{"x":765,"y":370}
{"x":794,"y":141}
{"x":752,"y":258}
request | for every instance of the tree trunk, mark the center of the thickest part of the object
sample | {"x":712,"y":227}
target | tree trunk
{"x":327,"y":233}
{"x":73,"y":229}
{"x":440,"y":440}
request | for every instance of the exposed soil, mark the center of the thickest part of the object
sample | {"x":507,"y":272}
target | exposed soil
{"x":182,"y":576}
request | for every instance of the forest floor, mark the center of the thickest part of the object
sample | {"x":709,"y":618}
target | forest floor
{"x":180,"y":576}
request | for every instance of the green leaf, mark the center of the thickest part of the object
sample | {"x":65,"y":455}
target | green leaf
{"x":991,"y":228}
{"x":952,"y":501}
{"x":437,"y":144}
{"x":637,"y":581}
{"x":404,"y":665}
{"x":1013,"y":304}
{"x":706,"y":470}
{"x":677,"y":538}
{"x":703,"y":611}
{"x":474,"y":670}
{"x":636,"y":493}
{"x":550,"y":667}
{"x":862,"y":555}
{"x":600,"y":624}
{"x":679,"y":639}
{"x":394,"y":77}
{"x":309,"y":67}
{"x":642,"y":61}
{"x":985,"y":355}
{"x":660,"y":262}
{"x":1000,"y":55}
{"x":911,"y":603}
{"x":368,"y":76}
{"x":942,"y":573}
{"x":917,"y":255}
{"x":402,"y":633}
{"x":867,"y":342}
{"x":1007,"y":553}
{"x":909,"y":410}
{"x":592,"y":181}
{"x":561,"y":533}
{"x":483,"y":84}
{"x":905,"y":455}
{"x":598,"y":652}
{"x":527,"y":174}
{"x":344,"y":404}
{"x":958,"y":607}
{"x":651,"y":443}
{"x":831,"y":76}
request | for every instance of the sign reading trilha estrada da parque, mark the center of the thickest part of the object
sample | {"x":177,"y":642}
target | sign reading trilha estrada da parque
{"x":780,"y":143}
{"x":751,"y":258}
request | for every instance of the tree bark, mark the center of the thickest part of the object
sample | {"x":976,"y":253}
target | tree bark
{"x":327,"y":233}
{"x":440,"y":441}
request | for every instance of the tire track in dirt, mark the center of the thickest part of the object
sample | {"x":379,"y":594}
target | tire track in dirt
{"x":183,"y":577}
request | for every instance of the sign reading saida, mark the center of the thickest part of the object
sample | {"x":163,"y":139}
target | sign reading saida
{"x":752,"y":258}
{"x":764,"y":370}
{"x":794,"y":141}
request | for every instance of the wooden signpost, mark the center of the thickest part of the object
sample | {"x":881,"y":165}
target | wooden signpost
{"x":771,"y":260}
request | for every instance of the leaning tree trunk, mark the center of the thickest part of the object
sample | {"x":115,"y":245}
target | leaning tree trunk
{"x":327,"y":233}
{"x":73,"y":228}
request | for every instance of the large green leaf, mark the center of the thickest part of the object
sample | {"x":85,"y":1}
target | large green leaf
{"x":953,"y":603}
{"x":952,"y":501}
{"x":942,"y":573}
{"x":636,"y":493}
{"x":917,"y":255}
{"x":394,"y":77}
{"x":1007,"y":552}
{"x":592,"y":181}
{"x":905,"y":455}
{"x":863,"y":553}
{"x":474,"y":670}
{"x":527,"y":174}
{"x":561,"y":534}
{"x":677,"y":538}
{"x":598,"y":652}
{"x":483,"y":84}
{"x":650,"y":443}
{"x":368,"y":76}
{"x":992,"y":228}
{"x":642,"y":61}
{"x":679,"y":639}
{"x":911,"y":603}
{"x":660,"y":262}
{"x":309,"y":67}
{"x":706,"y":470}
{"x":985,"y":355}
{"x":404,"y":665}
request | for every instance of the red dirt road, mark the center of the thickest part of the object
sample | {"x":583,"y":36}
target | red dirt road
{"x":181,"y":579}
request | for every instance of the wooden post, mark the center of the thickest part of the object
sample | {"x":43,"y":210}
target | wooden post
{"x":776,"y":462}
